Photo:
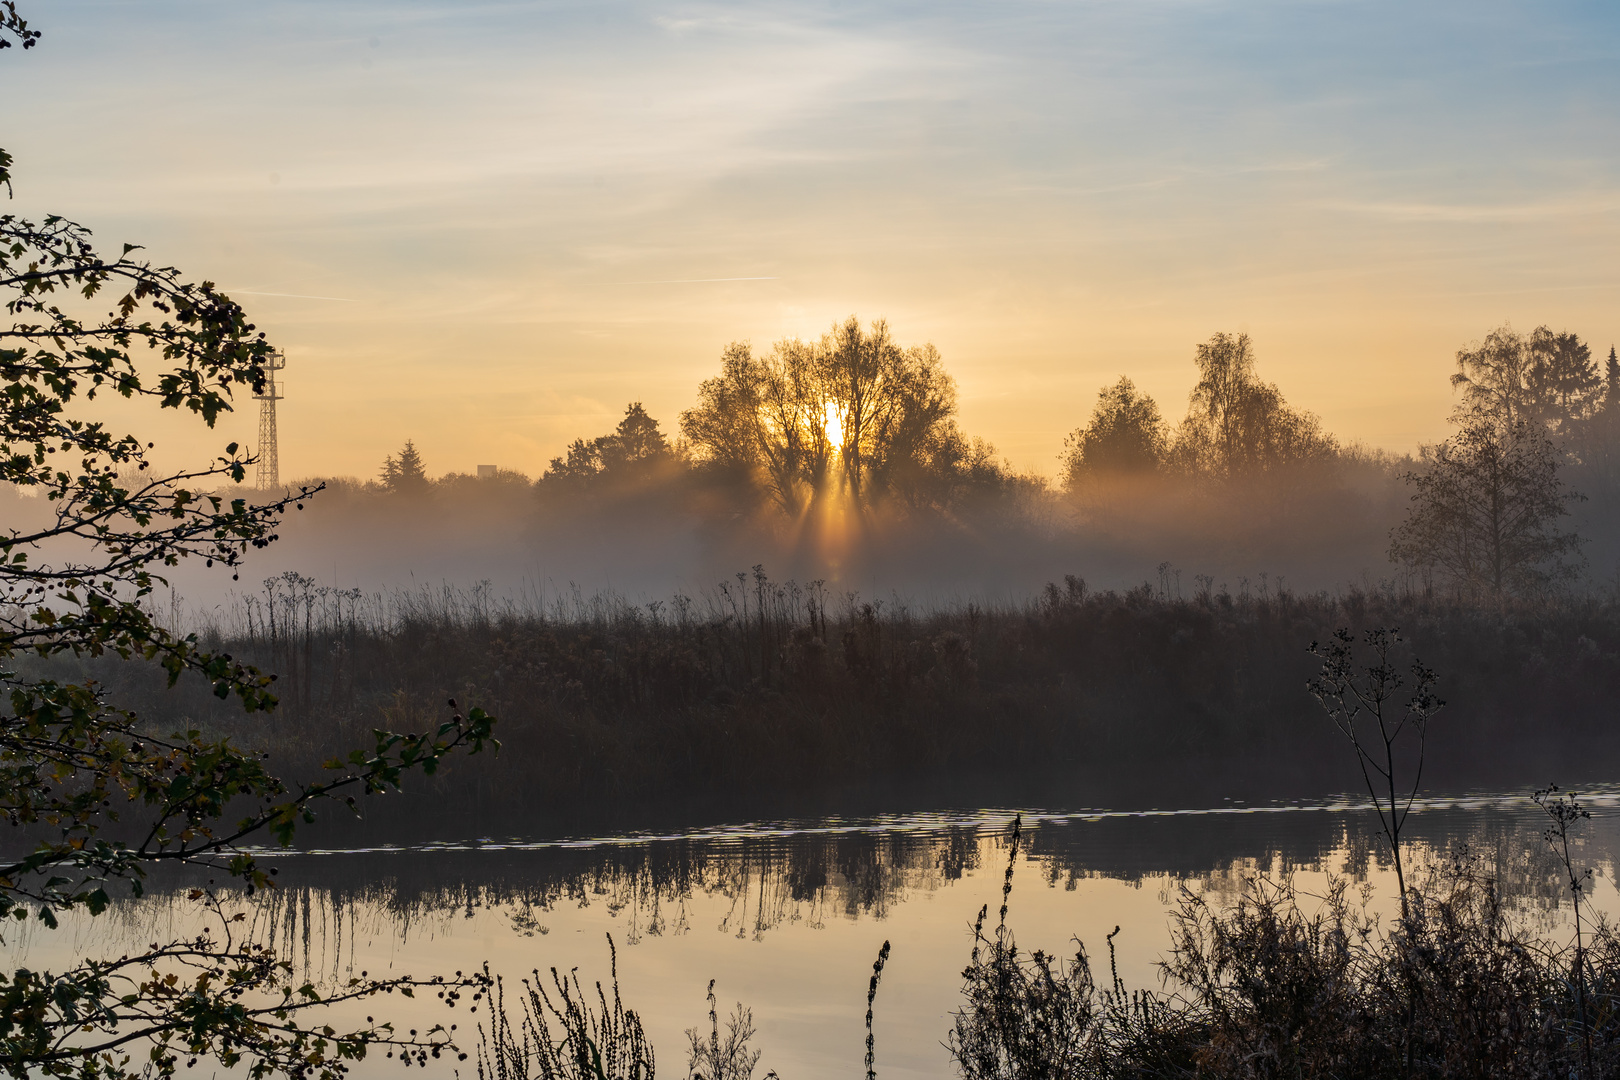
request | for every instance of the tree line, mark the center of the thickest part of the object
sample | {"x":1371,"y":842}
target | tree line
{"x":858,"y":419}
{"x":1236,"y":426}
{"x":854,"y":417}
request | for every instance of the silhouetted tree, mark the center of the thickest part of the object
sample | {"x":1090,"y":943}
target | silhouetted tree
{"x":1485,"y":511}
{"x":636,"y":439}
{"x":507,"y":485}
{"x":405,"y":475}
{"x":955,"y":472}
{"x":1239,"y":426}
{"x":1602,"y":434}
{"x":1547,"y":379}
{"x":853,"y":412}
{"x":1564,"y":381}
{"x":1494,"y":377}
{"x":1126,"y":437}
{"x":886,"y":407}
{"x":748,"y":421}
{"x":1594,"y":444}
{"x":634,"y":453}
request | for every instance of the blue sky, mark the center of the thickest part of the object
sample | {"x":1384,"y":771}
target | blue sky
{"x":497,"y":220}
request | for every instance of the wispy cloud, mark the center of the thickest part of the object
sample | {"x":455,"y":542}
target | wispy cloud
{"x":1469,"y":214}
{"x":1052,"y":192}
{"x":689,"y":281}
{"x":297,"y":296}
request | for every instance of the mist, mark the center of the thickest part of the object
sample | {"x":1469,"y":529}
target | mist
{"x":1243,"y":495}
{"x":707,"y":497}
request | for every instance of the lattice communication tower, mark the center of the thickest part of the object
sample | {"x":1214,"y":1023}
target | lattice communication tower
{"x":269,"y":465}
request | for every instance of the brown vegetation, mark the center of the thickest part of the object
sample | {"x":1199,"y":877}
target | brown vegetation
{"x":1277,"y":985}
{"x":776,"y":688}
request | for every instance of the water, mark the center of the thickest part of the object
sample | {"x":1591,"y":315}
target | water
{"x":788,"y":916}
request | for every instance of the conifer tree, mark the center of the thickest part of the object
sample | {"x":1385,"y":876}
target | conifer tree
{"x":405,"y":475}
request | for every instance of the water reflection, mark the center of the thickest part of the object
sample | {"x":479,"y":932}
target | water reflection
{"x":789,"y":914}
{"x":770,"y":876}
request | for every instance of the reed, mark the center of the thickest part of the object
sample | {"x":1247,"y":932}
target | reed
{"x":557,"y":1034}
{"x":773,"y":687}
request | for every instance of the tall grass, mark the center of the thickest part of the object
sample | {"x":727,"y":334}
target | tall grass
{"x":1274,"y":986}
{"x":560,"y":1036}
{"x":773,"y":687}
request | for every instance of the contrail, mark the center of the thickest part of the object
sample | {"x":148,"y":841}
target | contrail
{"x":690,"y":281}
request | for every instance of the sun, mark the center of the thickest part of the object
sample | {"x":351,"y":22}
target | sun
{"x":833,"y":424}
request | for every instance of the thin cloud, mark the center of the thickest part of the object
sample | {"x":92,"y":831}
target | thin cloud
{"x":690,"y":281}
{"x":1474,"y":214}
{"x":293,"y":295}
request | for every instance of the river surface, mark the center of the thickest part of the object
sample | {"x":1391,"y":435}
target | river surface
{"x":788,"y":916}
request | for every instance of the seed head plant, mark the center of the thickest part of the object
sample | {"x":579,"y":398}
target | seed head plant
{"x":1380,"y":711}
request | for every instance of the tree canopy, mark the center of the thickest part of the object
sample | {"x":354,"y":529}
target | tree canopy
{"x":634,"y":453}
{"x":1126,"y":437}
{"x":405,"y":474}
{"x":1238,"y":426}
{"x":1485,"y":511}
{"x":1546,"y":379}
{"x":854,"y":414}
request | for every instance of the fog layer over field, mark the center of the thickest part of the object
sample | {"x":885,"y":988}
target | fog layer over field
{"x":841,"y":461}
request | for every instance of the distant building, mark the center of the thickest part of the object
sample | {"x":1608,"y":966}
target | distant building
{"x":486,"y":471}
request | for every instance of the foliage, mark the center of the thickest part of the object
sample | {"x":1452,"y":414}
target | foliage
{"x":634,"y":454}
{"x":728,"y":1058}
{"x":1564,"y":810}
{"x":405,"y":474}
{"x":1611,"y":380}
{"x":1546,"y":380}
{"x":506,"y":487}
{"x":605,"y":1042}
{"x":13,"y":25}
{"x":782,"y":688}
{"x":1274,"y":983}
{"x":1265,"y":980}
{"x":1595,"y":441}
{"x":1485,"y":509}
{"x":101,"y":794}
{"x":853,"y":414}
{"x":1021,"y":1019}
{"x":1126,"y":436}
{"x":1238,"y":426}
{"x":1275,"y":986}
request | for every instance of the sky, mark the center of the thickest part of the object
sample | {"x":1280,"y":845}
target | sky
{"x":487,"y":227}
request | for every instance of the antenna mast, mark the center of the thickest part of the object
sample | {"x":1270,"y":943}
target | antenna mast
{"x":269,"y":465}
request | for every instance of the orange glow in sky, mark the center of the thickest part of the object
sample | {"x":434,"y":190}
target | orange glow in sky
{"x":487,"y":228}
